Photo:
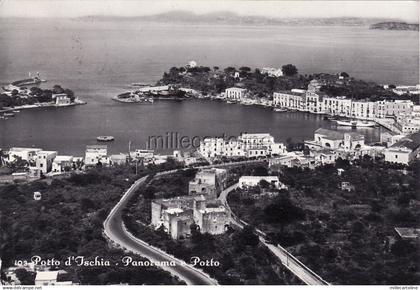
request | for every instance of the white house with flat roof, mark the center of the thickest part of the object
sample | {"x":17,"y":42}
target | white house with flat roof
{"x":250,"y":181}
{"x":95,"y":154}
{"x":27,"y":154}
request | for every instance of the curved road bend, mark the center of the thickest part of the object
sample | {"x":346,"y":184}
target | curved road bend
{"x":116,"y":231}
{"x":301,"y":271}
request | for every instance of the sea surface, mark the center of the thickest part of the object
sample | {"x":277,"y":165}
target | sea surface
{"x":98,"y":60}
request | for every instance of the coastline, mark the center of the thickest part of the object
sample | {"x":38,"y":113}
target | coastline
{"x":42,"y":105}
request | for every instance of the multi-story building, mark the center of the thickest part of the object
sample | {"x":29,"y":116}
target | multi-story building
{"x":44,"y":160}
{"x":337,"y":106}
{"x":208,"y":182}
{"x":235,"y":93}
{"x":292,"y":100}
{"x":363,"y":110}
{"x":95,"y":154}
{"x":246,"y":145}
{"x":176,"y":215}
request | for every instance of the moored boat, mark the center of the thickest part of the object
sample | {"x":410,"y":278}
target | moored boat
{"x":280,"y":110}
{"x":105,"y":138}
{"x":9,"y":114}
{"x":356,"y":123}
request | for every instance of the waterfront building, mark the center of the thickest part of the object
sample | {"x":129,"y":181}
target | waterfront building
{"x":332,"y":139}
{"x":26,"y":154}
{"x":61,"y":99}
{"x":404,"y":151}
{"x":237,"y":94}
{"x":291,"y":100}
{"x":337,"y":106}
{"x":62,"y":163}
{"x":363,"y":110}
{"x":208,"y":182}
{"x":251,"y":181}
{"x":95,"y":154}
{"x":44,"y":160}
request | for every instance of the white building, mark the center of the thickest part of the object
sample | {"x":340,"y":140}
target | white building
{"x":62,"y":163}
{"x":272,"y":72}
{"x":95,"y":154}
{"x":331,"y":139}
{"x":26,"y":154}
{"x":337,"y":106}
{"x":235,"y":93}
{"x":291,"y":100}
{"x":61,"y":99}
{"x":44,"y":160}
{"x":246,"y":145}
{"x":250,"y":181}
{"x":404,"y":151}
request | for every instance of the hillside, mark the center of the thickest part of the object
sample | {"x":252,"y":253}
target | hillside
{"x":395,"y":26}
{"x":225,"y":17}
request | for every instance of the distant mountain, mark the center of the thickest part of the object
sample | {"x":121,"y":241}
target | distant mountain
{"x":394,"y":26}
{"x":226,"y":17}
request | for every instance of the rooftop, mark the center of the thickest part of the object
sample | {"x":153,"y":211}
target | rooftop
{"x":96,"y":147}
{"x":21,"y":149}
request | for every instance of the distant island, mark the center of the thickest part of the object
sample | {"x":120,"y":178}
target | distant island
{"x":230,"y":18}
{"x":395,"y":26}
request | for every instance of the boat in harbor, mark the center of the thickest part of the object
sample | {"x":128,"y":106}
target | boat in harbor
{"x":356,"y":124}
{"x":280,"y":110}
{"x":105,"y":138}
{"x":16,"y":111}
{"x":9,"y":114}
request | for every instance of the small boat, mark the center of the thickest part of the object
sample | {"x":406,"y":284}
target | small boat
{"x":9,"y":114}
{"x":356,"y":124}
{"x":280,"y":110}
{"x":105,"y":138}
{"x":16,"y":111}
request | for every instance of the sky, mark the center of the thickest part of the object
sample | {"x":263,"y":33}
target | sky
{"x":404,"y":10}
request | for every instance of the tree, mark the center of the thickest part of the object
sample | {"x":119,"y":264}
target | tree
{"x":246,"y":237}
{"x":344,"y":74}
{"x":57,"y":89}
{"x":14,"y":93}
{"x":229,"y":70}
{"x":289,"y":70}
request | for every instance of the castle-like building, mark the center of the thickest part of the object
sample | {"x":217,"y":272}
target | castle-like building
{"x":201,"y":207}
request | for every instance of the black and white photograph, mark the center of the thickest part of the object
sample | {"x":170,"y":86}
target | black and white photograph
{"x":201,"y":142}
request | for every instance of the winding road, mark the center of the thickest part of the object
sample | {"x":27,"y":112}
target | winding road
{"x":115,"y":230}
